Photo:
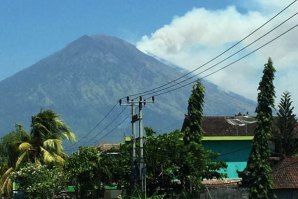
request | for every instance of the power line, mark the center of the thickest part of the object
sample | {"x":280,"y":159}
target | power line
{"x":264,"y":24}
{"x":98,"y":123}
{"x":120,"y":123}
{"x":223,"y":60}
{"x":246,"y":55}
{"x":94,"y":137}
{"x":227,"y":64}
{"x":92,"y":129}
{"x":147,"y":91}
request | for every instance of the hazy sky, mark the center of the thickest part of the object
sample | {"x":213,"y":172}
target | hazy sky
{"x":186,"y":33}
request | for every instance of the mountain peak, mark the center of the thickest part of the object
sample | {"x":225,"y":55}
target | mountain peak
{"x":100,"y":41}
{"x":86,"y":78}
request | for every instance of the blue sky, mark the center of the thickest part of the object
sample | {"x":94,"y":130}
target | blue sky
{"x":33,"y":29}
{"x":186,"y":33}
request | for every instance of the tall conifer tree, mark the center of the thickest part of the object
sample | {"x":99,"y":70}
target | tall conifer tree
{"x":286,"y":145}
{"x":198,"y":161}
{"x":193,"y":131}
{"x":257,"y":175}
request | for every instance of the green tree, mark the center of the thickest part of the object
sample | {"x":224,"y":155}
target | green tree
{"x":39,"y":181}
{"x":257,"y":174}
{"x":82,"y":168}
{"x":286,"y":144}
{"x":9,"y":154}
{"x":45,"y":144}
{"x":198,"y":161}
{"x":115,"y":166}
{"x":9,"y":145}
{"x":192,"y":130}
{"x":164,"y":160}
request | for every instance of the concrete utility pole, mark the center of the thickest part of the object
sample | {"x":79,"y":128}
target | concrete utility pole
{"x":133,"y":127}
{"x":141,"y":136}
{"x":142,"y":166}
{"x":134,"y":118}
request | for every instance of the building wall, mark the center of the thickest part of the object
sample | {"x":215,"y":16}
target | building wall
{"x":234,"y":152}
{"x":285,"y":194}
{"x":225,"y":193}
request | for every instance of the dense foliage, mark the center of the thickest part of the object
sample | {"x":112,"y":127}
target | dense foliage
{"x":43,"y":146}
{"x":45,"y":141}
{"x":82,"y":170}
{"x":115,"y":166}
{"x":39,"y":181}
{"x":175,"y":161}
{"x":164,"y":160}
{"x":9,"y":155}
{"x":9,"y":144}
{"x":257,"y":175}
{"x":197,"y":162}
{"x":286,"y":144}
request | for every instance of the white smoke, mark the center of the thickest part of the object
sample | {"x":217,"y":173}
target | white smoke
{"x":194,"y":38}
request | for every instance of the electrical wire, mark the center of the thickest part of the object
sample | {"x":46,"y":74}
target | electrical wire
{"x":147,"y":92}
{"x":214,"y":58}
{"x":92,"y":129}
{"x":225,"y":59}
{"x":162,"y":93}
{"x":231,"y":63}
{"x":99,"y":122}
{"x":94,"y":137}
{"x":103,"y":136}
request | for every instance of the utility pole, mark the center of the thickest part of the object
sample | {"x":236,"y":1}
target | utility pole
{"x":133,"y":127}
{"x":134,"y":117}
{"x":141,"y":135}
{"x":142,"y":138}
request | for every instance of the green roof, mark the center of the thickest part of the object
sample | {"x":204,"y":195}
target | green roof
{"x":71,"y":188}
{"x":110,"y":187}
{"x":222,"y":138}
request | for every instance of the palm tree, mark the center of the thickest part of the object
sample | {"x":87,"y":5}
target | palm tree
{"x":44,"y":145}
{"x":46,"y":139}
{"x":9,"y":149}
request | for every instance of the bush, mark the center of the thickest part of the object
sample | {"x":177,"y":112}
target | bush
{"x":39,"y":181}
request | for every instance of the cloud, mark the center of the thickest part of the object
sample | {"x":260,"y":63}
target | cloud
{"x":199,"y":35}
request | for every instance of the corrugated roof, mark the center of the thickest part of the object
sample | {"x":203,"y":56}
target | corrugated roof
{"x":218,"y":126}
{"x":107,"y":147}
{"x":285,"y":174}
{"x":219,"y":182}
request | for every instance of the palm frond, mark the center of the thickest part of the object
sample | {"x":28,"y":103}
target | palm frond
{"x":47,"y":156}
{"x":53,"y":145}
{"x":6,"y":188}
{"x":25,"y":146}
{"x":52,"y":157}
{"x":59,"y":124}
{"x":59,"y":160}
{"x":6,"y":174}
{"x":6,"y":184}
{"x":71,"y":136}
{"x":20,"y":159}
{"x":40,"y":130}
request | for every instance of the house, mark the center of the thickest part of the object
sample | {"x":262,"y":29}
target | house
{"x":285,"y":178}
{"x":231,"y":138}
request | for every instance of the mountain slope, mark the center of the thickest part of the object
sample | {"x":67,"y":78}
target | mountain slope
{"x":85,"y":79}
